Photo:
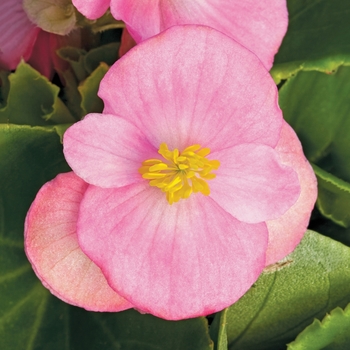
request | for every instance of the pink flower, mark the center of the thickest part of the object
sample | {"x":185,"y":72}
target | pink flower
{"x":258,"y":25}
{"x":21,"y":39}
{"x":177,"y":229}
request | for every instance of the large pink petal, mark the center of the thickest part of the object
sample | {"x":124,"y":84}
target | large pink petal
{"x":287,"y":231}
{"x":92,"y":9}
{"x":217,"y":95}
{"x":252,"y":184}
{"x":18,"y":34}
{"x":175,"y":261}
{"x":52,"y":248}
{"x":106,"y":150}
{"x":257,"y":25}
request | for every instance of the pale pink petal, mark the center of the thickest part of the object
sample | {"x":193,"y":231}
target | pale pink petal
{"x":52,"y":248}
{"x":92,"y":9}
{"x":287,"y":231}
{"x":175,"y":261}
{"x":217,"y":95}
{"x":252,"y":184}
{"x":258,"y":25}
{"x":126,"y":43}
{"x":17,"y":36}
{"x":106,"y":150}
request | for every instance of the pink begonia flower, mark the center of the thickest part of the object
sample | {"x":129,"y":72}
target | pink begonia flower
{"x":193,"y":242}
{"x":258,"y":25}
{"x":21,"y":39}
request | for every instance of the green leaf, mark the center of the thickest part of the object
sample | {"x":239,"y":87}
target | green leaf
{"x":311,"y":281}
{"x":218,"y":330}
{"x":328,"y":228}
{"x":33,"y":100}
{"x":316,"y":39}
{"x":331,"y":333}
{"x":29,"y":156}
{"x":106,"y":53}
{"x":90,"y":102}
{"x":333,"y":199}
{"x":316,"y":105}
{"x":30,"y":317}
{"x":89,"y":68}
{"x":129,"y":330}
{"x":84,"y":63}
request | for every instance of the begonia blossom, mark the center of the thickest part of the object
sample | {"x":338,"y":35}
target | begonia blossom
{"x":258,"y":25}
{"x":22,"y":39}
{"x":176,"y":186}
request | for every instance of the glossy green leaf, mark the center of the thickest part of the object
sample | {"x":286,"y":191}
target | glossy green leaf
{"x":32,"y":100}
{"x":331,"y":334}
{"x":317,"y":106}
{"x":321,"y":224}
{"x":82,"y":82}
{"x":84,"y":63}
{"x":333,"y":199}
{"x":129,"y":330}
{"x":218,"y":331}
{"x":30,"y":317}
{"x":106,"y":53}
{"x":29,"y":156}
{"x":75,"y":57}
{"x":311,"y":281}
{"x":317,"y":37}
{"x":88,"y":89}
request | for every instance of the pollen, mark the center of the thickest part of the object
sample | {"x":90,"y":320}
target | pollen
{"x":180,"y":174}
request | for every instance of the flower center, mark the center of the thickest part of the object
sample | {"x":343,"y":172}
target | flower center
{"x":180,"y":174}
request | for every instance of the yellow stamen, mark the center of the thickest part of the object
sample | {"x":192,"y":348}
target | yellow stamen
{"x":180,"y":174}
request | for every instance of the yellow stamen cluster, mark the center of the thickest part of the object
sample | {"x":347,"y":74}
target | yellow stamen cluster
{"x":180,"y":174}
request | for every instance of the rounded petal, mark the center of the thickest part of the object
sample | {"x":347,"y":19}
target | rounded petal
{"x":52,"y":248}
{"x":252,"y":184}
{"x":106,"y":150}
{"x":92,"y":9}
{"x":218,"y":95}
{"x":174,"y":261}
{"x":287,"y":231}
{"x":18,"y":34}
{"x":258,"y":25}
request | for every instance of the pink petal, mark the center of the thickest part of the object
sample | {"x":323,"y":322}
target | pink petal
{"x":258,"y":25}
{"x":44,"y":57}
{"x":252,"y":184}
{"x":218,"y":95}
{"x":126,"y":43}
{"x":41,"y":58}
{"x":287,"y":231}
{"x":180,"y":261}
{"x":106,"y":150}
{"x":92,"y":9}
{"x":18,"y":34}
{"x":53,"y":250}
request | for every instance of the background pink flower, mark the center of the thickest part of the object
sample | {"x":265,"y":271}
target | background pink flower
{"x":21,"y":39}
{"x":258,"y":25}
